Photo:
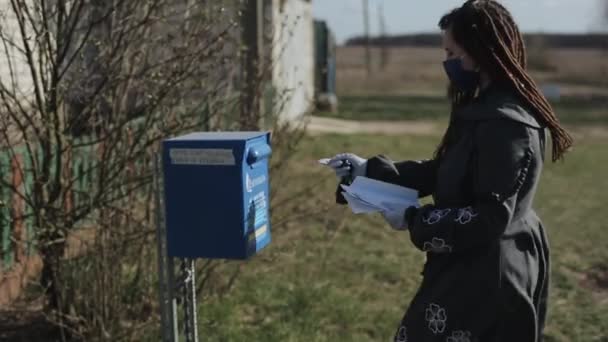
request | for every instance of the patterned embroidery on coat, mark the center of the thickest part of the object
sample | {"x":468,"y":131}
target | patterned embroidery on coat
{"x":436,"y":317}
{"x":459,"y":336}
{"x":465,"y":215}
{"x":435,"y":216}
{"x":437,"y":245}
{"x":401,"y":335}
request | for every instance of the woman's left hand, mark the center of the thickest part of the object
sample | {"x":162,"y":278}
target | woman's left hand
{"x":396,"y":219}
{"x":399,"y":220}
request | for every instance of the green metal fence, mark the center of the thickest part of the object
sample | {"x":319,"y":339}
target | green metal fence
{"x":16,"y":215}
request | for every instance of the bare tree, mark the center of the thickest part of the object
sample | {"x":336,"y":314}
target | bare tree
{"x":90,"y":89}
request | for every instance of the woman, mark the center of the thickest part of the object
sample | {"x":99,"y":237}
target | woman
{"x":487,"y":272}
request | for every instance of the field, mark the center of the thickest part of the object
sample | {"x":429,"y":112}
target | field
{"x":418,"y":71}
{"x":341,"y":277}
{"x":329,"y":275}
{"x":334,"y":276}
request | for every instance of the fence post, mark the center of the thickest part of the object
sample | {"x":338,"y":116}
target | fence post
{"x":28,"y":187}
{"x":5,"y":226}
{"x":17,"y":207}
{"x":68,"y":196}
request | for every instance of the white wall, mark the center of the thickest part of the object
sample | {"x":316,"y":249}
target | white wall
{"x":293,"y":55}
{"x":13,"y":62}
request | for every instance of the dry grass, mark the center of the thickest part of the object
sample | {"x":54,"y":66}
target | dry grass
{"x":410,"y":71}
{"x":418,"y":71}
{"x":343,"y":277}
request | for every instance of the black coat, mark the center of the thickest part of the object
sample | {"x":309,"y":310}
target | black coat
{"x":487,"y":272}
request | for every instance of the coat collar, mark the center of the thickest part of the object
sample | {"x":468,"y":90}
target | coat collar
{"x":495,"y":103}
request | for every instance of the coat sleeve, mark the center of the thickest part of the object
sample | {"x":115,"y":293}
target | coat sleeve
{"x":418,"y":175}
{"x":502,"y":157}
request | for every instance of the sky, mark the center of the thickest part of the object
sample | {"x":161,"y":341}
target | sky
{"x":345,"y":17}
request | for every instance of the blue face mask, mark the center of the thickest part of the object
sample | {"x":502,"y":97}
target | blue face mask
{"x":464,"y":80}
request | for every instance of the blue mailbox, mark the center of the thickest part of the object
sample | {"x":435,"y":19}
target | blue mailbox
{"x":217,"y":194}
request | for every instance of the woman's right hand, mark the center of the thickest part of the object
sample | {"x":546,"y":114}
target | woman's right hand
{"x":345,"y":164}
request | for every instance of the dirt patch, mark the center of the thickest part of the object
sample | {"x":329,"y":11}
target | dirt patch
{"x":26,"y":326}
{"x":320,"y":125}
{"x":596,"y":280}
{"x":25,"y":321}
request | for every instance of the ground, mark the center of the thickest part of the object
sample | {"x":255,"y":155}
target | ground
{"x":319,"y":125}
{"x":343,"y":277}
{"x":329,"y":275}
{"x":335,"y":276}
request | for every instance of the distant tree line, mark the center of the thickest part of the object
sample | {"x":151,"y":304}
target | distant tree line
{"x":568,"y":41}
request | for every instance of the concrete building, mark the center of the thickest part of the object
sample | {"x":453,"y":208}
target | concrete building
{"x":293,"y":71}
{"x":288,"y":42}
{"x":15,"y":73}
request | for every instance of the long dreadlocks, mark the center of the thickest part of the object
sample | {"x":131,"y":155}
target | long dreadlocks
{"x":487,"y":32}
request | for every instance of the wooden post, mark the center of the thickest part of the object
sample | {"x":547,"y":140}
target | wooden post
{"x":131,"y":169}
{"x":384,"y":53}
{"x":18,"y":209}
{"x":68,"y":196}
{"x":5,"y":216}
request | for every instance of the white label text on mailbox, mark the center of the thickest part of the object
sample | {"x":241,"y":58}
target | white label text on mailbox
{"x":197,"y":156}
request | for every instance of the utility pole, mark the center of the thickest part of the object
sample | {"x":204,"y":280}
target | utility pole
{"x":368,"y":53}
{"x":253,"y":40}
{"x":605,"y":13}
{"x":384,"y":53}
{"x":604,"y":30}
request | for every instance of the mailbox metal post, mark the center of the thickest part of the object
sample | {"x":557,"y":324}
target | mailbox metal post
{"x":189,"y":300}
{"x":168,"y":302}
{"x":168,"y":287}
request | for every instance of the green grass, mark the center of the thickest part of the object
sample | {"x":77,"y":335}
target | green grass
{"x":390,"y":107}
{"x":582,"y":111}
{"x":408,"y":107}
{"x":334,"y":276}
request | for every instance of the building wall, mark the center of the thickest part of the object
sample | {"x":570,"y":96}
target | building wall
{"x":14,"y":71}
{"x":293,"y":56}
